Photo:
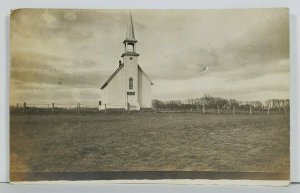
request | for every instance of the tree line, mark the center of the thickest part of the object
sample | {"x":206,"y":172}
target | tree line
{"x":210,"y":102}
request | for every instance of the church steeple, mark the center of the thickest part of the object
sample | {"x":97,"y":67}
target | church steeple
{"x":130,"y":40}
{"x":130,"y":31}
{"x":131,"y":89}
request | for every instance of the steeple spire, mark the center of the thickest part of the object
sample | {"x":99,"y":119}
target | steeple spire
{"x":130,"y":31}
{"x":130,"y":40}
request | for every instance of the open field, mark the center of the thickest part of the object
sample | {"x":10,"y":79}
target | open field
{"x":149,"y":142}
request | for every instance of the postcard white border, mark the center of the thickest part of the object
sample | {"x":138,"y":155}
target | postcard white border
{"x":294,"y":5}
{"x":170,"y":181}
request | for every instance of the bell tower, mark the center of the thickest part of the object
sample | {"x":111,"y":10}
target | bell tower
{"x":130,"y":40}
{"x":130,"y":60}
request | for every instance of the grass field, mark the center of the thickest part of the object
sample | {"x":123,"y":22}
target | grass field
{"x":149,"y":141}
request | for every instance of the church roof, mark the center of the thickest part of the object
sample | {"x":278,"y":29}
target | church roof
{"x":130,"y":37}
{"x":145,"y":75}
{"x":130,"y":54}
{"x":112,"y":76}
{"x":116,"y":72}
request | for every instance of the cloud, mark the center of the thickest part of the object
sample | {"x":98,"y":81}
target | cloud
{"x":70,"y":15}
{"x":41,"y":23}
{"x":58,"y":52}
{"x":50,"y":20}
{"x":225,"y":42}
{"x":33,"y":67}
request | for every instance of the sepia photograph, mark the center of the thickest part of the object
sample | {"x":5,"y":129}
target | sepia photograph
{"x":149,"y":94}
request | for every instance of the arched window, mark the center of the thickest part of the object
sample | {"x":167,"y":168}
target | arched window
{"x":130,"y":83}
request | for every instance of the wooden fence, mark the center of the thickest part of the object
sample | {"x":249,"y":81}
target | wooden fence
{"x":53,"y":108}
{"x":230,"y":110}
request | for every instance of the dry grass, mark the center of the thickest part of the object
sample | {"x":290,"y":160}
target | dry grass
{"x":149,"y":141}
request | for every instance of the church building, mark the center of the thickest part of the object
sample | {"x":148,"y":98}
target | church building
{"x":128,"y":87}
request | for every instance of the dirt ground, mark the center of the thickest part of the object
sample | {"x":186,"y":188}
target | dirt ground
{"x":149,"y":142}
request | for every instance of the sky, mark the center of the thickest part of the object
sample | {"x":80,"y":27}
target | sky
{"x":64,"y":56}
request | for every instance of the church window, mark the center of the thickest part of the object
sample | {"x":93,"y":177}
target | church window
{"x":130,"y":83}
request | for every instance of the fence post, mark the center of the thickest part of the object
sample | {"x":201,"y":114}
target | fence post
{"x":203,"y":108}
{"x":250,"y":110}
{"x":78,"y":107}
{"x":218,"y":108}
{"x":17,"y":107}
{"x":285,"y":110}
{"x":233,"y":110}
{"x":52,"y":110}
{"x":268,"y":110}
{"x":105,"y":108}
{"x":24,"y":108}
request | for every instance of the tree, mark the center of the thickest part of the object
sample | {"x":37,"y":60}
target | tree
{"x":157,"y":104}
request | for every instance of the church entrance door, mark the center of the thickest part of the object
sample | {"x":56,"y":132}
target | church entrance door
{"x":131,"y":100}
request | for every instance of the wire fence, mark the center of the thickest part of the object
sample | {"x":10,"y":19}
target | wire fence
{"x":225,"y":110}
{"x":54,"y":108}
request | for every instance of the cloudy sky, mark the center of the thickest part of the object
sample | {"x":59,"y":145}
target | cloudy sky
{"x":64,"y":56}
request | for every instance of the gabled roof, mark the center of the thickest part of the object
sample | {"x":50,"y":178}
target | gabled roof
{"x":112,"y":76}
{"x":116,"y":72}
{"x":145,"y":75}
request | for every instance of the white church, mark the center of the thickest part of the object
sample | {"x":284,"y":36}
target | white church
{"x":128,"y":87}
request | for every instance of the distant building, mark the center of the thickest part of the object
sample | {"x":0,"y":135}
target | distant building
{"x":128,"y":87}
